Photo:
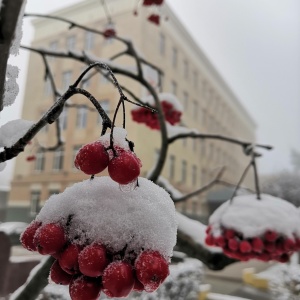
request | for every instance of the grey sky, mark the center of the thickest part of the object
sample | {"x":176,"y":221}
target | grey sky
{"x":254,"y":45}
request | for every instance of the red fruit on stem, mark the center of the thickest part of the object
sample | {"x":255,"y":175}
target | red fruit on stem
{"x":245,"y":247}
{"x":151,"y":269}
{"x":148,"y":2}
{"x":138,"y":286}
{"x":154,"y":19}
{"x":124,"y":168}
{"x":158,"y":2}
{"x":93,"y":260}
{"x":109,"y":32}
{"x":284,"y":258}
{"x":118,"y":279}
{"x":269,"y":247}
{"x":31,"y":158}
{"x":229,"y":234}
{"x":27,"y":237}
{"x":50,"y":238}
{"x":209,"y":240}
{"x":271,"y":236}
{"x":92,"y":158}
{"x":220,"y":241}
{"x":257,"y":245}
{"x":68,"y":259}
{"x":58,"y":275}
{"x":208,"y":229}
{"x":233,"y":244}
{"x":85,"y":288}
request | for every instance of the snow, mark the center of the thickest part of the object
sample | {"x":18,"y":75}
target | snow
{"x":164,"y":183}
{"x":12,"y":131}
{"x":143,"y":218}
{"x":215,"y":296}
{"x":253,"y":217}
{"x":11,"y":85}
{"x":13,"y":227}
{"x":164,"y":97}
{"x":195,"y":230}
{"x":175,"y":130}
{"x":2,"y":166}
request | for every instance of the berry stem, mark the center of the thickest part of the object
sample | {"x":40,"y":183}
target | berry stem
{"x":257,"y":188}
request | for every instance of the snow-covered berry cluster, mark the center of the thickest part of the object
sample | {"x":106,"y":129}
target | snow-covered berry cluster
{"x":247,"y":228}
{"x":104,"y":239}
{"x":123,"y":165}
{"x":172,"y":110}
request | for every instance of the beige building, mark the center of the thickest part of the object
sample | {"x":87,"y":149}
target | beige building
{"x":209,"y":105}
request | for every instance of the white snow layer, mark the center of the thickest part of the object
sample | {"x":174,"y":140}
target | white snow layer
{"x":11,"y":87}
{"x":254,"y":217}
{"x":195,"y":230}
{"x":175,"y":130}
{"x":164,"y":183}
{"x":119,"y":138}
{"x":164,"y":97}
{"x":12,"y":131}
{"x":143,"y":218}
{"x":2,"y":166}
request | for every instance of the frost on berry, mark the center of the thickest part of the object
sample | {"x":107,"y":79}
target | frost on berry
{"x":85,"y":288}
{"x":27,"y":237}
{"x":118,"y":279}
{"x":58,"y":275}
{"x":142,"y":219}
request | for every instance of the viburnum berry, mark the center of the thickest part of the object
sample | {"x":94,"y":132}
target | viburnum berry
{"x":93,"y":260}
{"x":109,"y":32}
{"x":68,"y":259}
{"x":85,"y":288}
{"x":151,"y":269}
{"x":271,"y":236}
{"x":229,"y":234}
{"x":117,"y":279}
{"x":125,"y":167}
{"x":58,"y":275}
{"x":92,"y":158}
{"x":31,"y":158}
{"x":50,"y":238}
{"x":154,"y":18}
{"x":257,"y":245}
{"x":233,"y":244}
{"x":220,"y":241}
{"x":209,"y":240}
{"x":148,"y":2}
{"x":138,"y":286}
{"x":289,"y":245}
{"x":27,"y":237}
{"x":245,"y":247}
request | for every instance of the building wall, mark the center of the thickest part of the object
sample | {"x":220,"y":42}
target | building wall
{"x":209,"y":104}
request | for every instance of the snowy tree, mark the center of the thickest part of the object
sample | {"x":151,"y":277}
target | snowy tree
{"x":160,"y":112}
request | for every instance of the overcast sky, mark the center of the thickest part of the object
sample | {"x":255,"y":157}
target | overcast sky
{"x":254,"y":45}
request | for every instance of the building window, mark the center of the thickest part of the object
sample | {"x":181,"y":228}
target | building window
{"x":53,"y":192}
{"x":53,"y":47}
{"x":194,"y":175}
{"x":66,"y":80}
{"x":63,"y":119}
{"x":171,"y":167}
{"x":71,"y":42}
{"x":185,"y":69}
{"x":75,"y":151}
{"x":174,"y":57}
{"x":173,"y":87}
{"x":195,"y":142}
{"x":35,"y":198}
{"x":185,"y":100}
{"x":81,"y":117}
{"x":162,"y":44}
{"x":195,"y":110}
{"x":183,"y":171}
{"x":105,"y":106}
{"x":203,"y":148}
{"x":195,"y":79}
{"x":40,"y":161}
{"x":89,"y":40}
{"x":58,"y":160}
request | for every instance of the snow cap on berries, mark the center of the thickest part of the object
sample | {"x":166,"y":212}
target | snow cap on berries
{"x":144,"y":218}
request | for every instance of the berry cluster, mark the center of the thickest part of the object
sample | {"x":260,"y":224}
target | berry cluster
{"x":31,"y":158}
{"x":143,"y":115}
{"x":88,"y":269}
{"x":109,"y":31}
{"x":270,"y":246}
{"x":152,"y":2}
{"x":123,"y":165}
{"x":154,"y":18}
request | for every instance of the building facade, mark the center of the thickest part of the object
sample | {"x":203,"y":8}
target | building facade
{"x":209,"y":105}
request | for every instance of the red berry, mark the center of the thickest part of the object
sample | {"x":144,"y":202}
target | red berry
{"x":31,"y":158}
{"x":158,"y":2}
{"x":124,"y":168}
{"x":148,"y":2}
{"x":208,"y":229}
{"x":245,"y":247}
{"x":92,"y":158}
{"x":229,"y":234}
{"x":68,"y":259}
{"x":269,"y":247}
{"x":271,"y":236}
{"x":233,"y":244}
{"x":118,"y":279}
{"x":264,"y":256}
{"x":220,"y":241}
{"x":85,"y":288}
{"x":109,"y":32}
{"x":154,"y":19}
{"x":27,"y":237}
{"x":138,"y":286}
{"x":151,"y":269}
{"x":50,"y":238}
{"x":58,"y":275}
{"x":289,"y":245}
{"x":257,"y":245}
{"x":93,"y":260}
{"x":209,"y":240}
